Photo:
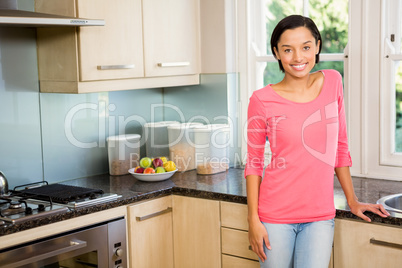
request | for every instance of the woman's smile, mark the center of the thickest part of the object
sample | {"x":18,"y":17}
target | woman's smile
{"x":299,"y":67}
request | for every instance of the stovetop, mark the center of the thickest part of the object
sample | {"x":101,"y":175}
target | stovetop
{"x":35,"y":200}
{"x":15,"y":209}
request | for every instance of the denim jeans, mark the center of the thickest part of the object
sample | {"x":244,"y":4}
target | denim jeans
{"x":300,"y":245}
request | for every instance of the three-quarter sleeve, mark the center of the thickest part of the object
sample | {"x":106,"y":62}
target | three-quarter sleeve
{"x":256,"y":137}
{"x":343,"y":158}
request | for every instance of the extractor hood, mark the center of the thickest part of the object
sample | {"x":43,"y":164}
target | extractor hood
{"x":11,"y":16}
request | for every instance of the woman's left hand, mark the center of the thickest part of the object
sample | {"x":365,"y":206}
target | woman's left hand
{"x":358,"y":209}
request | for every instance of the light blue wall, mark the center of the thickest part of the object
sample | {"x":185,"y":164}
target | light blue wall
{"x":55,"y":137}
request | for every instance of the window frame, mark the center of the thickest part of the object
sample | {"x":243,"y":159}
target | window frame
{"x":389,"y":56}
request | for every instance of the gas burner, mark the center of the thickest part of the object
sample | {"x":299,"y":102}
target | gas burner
{"x":16,"y":209}
{"x":13,"y":209}
{"x":15,"y":205}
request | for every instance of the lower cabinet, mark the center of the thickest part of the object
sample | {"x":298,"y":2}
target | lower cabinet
{"x":235,"y":244}
{"x":181,"y":232}
{"x":368,"y":245}
{"x":174,"y":231}
{"x":236,"y":250}
{"x":150,"y":234}
{"x":196,"y":233}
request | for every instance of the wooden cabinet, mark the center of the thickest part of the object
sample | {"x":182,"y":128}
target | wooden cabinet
{"x":196,"y":229}
{"x":150,"y":234}
{"x":361,"y":244}
{"x":234,"y":231}
{"x":171,"y":38}
{"x":235,"y":243}
{"x":174,"y":231}
{"x":144,"y":44}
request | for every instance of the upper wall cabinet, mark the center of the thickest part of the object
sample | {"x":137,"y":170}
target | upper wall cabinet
{"x":171,"y":37}
{"x":144,"y":44}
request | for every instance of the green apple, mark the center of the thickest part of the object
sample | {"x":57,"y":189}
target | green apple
{"x":145,"y":162}
{"x":160,"y":170}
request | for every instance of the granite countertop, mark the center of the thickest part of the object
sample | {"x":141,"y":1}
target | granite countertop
{"x":228,"y":186}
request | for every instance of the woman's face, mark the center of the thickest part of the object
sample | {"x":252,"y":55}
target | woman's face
{"x":297,"y":49}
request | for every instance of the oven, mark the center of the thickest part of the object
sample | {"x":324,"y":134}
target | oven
{"x":101,"y":245}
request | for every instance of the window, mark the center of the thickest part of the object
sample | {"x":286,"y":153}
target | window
{"x":331,"y":18}
{"x":391,"y":93}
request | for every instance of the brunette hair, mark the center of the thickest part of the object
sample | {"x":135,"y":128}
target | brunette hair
{"x":292,"y":22}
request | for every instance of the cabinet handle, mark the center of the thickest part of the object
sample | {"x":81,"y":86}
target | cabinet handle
{"x":114,"y":67}
{"x":146,"y":217}
{"x":384,"y":243}
{"x":173,"y":64}
{"x":250,"y":248}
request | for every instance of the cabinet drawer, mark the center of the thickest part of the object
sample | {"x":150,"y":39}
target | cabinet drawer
{"x":235,"y":242}
{"x":235,"y":262}
{"x":234,"y":215}
{"x":361,"y":244}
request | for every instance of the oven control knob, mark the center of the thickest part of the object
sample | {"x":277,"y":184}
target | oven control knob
{"x":41,"y":207}
{"x":118,"y":252}
{"x":28,"y":210}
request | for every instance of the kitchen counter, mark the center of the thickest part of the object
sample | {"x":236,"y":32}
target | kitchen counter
{"x":228,"y":186}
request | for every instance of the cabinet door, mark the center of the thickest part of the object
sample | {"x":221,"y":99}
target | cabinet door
{"x":196,"y":229}
{"x":150,"y":234}
{"x":360,"y":244}
{"x":171,"y":37}
{"x":115,"y":50}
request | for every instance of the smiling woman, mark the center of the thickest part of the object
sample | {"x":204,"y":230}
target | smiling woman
{"x":291,"y":208}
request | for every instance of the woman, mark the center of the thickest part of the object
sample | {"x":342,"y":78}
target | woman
{"x":291,"y":211}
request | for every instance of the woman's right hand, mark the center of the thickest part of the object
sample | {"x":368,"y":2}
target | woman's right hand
{"x":257,"y":235}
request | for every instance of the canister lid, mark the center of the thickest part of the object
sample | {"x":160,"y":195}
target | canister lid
{"x":213,"y":127}
{"x":124,"y":137}
{"x":185,"y":125}
{"x":160,"y":124}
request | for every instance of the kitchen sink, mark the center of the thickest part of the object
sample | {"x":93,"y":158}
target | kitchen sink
{"x":392,"y":203}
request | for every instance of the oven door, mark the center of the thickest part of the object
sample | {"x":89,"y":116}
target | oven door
{"x":100,"y":246}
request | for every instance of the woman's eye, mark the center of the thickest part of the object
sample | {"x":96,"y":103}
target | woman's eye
{"x":287,"y":50}
{"x":306,"y":48}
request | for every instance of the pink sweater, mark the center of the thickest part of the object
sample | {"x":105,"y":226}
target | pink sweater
{"x":307,"y":141}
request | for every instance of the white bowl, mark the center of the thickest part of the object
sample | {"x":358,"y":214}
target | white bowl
{"x":152,"y":177}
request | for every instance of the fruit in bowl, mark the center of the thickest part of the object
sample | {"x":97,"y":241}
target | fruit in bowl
{"x":157,"y":162}
{"x":164,"y":159}
{"x":146,"y":162}
{"x":149,"y":170}
{"x":169,"y":166}
{"x":158,"y":170}
{"x":139,"y":169}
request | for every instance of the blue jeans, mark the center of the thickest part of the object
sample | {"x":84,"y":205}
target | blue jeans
{"x":300,"y":245}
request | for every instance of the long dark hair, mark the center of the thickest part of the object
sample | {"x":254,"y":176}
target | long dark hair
{"x":292,"y":22}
